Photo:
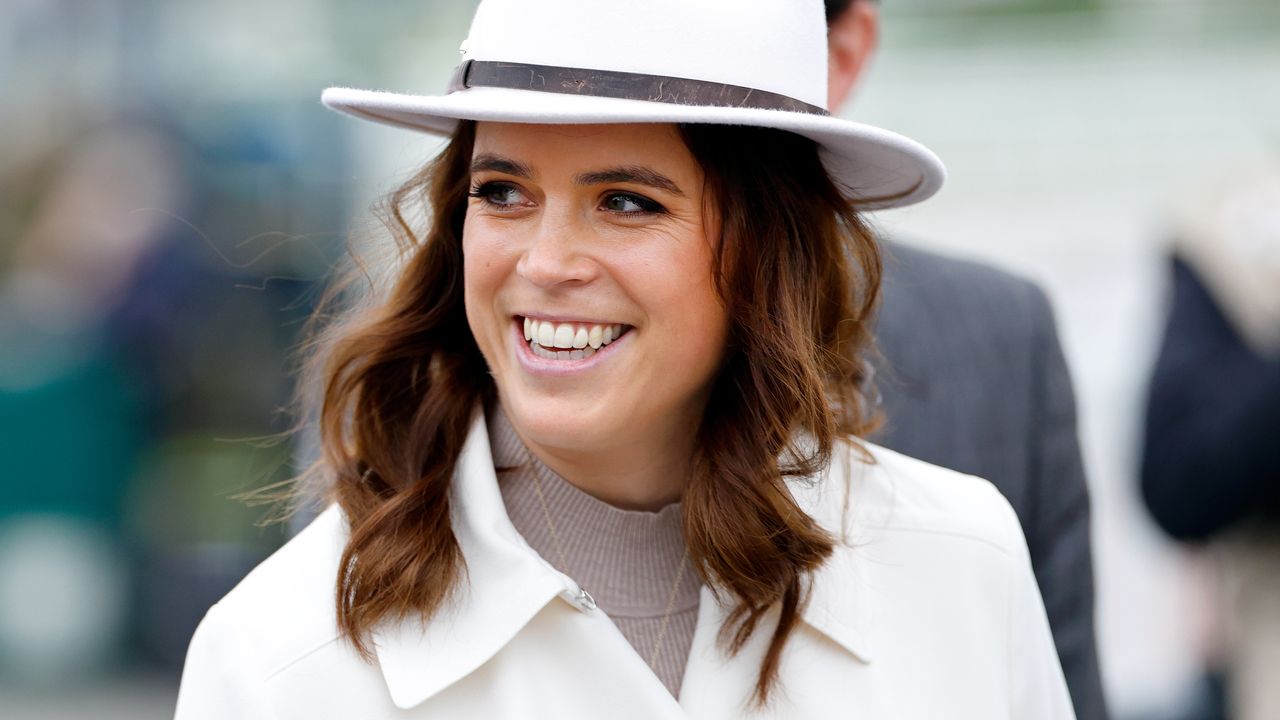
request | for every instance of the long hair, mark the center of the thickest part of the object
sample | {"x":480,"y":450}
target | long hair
{"x":798,"y":272}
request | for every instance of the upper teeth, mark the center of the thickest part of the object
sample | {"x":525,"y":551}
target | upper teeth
{"x":569,"y":335}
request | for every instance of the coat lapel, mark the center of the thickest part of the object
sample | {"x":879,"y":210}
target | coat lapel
{"x":505,"y":584}
{"x":841,"y":600}
{"x":840,"y":611}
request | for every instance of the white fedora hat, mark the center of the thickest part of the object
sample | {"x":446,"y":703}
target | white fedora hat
{"x":729,"y":62}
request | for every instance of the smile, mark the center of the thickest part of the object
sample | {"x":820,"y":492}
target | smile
{"x":569,"y":340}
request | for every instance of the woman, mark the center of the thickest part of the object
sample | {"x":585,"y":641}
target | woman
{"x":595,"y":454}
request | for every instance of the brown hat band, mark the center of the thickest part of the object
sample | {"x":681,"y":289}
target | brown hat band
{"x":620,"y":85}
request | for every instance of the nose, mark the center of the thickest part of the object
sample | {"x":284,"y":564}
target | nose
{"x":557,"y":253}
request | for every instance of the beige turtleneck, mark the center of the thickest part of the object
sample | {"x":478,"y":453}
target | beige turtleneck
{"x":627,"y":560}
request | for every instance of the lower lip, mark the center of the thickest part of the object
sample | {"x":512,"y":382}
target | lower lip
{"x":543,"y":366}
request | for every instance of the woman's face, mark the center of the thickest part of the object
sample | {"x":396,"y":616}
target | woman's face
{"x":589,"y":289}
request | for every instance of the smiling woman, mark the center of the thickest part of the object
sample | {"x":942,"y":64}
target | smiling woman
{"x":732,"y":312}
{"x":575,"y":228}
{"x":597,"y":451}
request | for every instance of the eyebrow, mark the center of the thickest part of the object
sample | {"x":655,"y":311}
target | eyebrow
{"x":497,"y":163}
{"x":637,"y":174}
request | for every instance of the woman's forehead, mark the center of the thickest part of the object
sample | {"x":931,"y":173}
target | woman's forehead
{"x":553,"y":148}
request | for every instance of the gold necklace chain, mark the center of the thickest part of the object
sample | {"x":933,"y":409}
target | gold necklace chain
{"x":666,"y":615}
{"x":671,"y":595}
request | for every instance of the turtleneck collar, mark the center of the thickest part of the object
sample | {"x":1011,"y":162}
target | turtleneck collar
{"x":626,"y":559}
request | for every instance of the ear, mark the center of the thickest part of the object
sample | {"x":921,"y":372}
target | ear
{"x":851,"y":40}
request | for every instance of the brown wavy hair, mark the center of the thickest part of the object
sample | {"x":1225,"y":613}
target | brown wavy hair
{"x":799,"y":274}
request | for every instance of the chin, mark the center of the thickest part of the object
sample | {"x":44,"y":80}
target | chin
{"x":563,"y":424}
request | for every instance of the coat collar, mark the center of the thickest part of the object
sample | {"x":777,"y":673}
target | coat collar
{"x":506,"y":583}
{"x":841,"y":605}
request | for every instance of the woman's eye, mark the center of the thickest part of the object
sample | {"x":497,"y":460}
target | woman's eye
{"x":498,"y":194}
{"x":630,"y":204}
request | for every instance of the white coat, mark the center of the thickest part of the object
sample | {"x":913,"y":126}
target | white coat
{"x":930,"y":610}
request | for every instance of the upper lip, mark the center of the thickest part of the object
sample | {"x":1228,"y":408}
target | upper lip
{"x":546,"y":317}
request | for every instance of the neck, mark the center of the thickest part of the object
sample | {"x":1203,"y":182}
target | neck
{"x":646,"y":471}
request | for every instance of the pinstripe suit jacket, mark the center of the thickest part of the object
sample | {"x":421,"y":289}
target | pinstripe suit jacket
{"x":973,"y":378}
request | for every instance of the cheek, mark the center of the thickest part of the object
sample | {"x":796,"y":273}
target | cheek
{"x":486,"y":252}
{"x":705,"y":322}
{"x":484,"y":270}
{"x":693,"y":315}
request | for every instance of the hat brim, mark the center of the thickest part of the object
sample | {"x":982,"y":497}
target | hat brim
{"x":874,"y":167}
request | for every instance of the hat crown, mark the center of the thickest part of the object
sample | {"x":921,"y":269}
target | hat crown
{"x":779,"y":46}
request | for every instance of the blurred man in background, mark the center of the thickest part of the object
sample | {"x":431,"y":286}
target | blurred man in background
{"x":1211,"y":460}
{"x":973,"y":379}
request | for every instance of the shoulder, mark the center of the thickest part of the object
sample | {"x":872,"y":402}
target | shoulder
{"x":900,"y":494}
{"x":873,"y":494}
{"x":914,"y":277}
{"x":903,"y":494}
{"x":918,"y":268}
{"x":284,"y":609}
{"x":927,"y":561}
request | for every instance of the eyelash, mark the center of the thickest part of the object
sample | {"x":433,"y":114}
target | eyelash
{"x":483,"y":192}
